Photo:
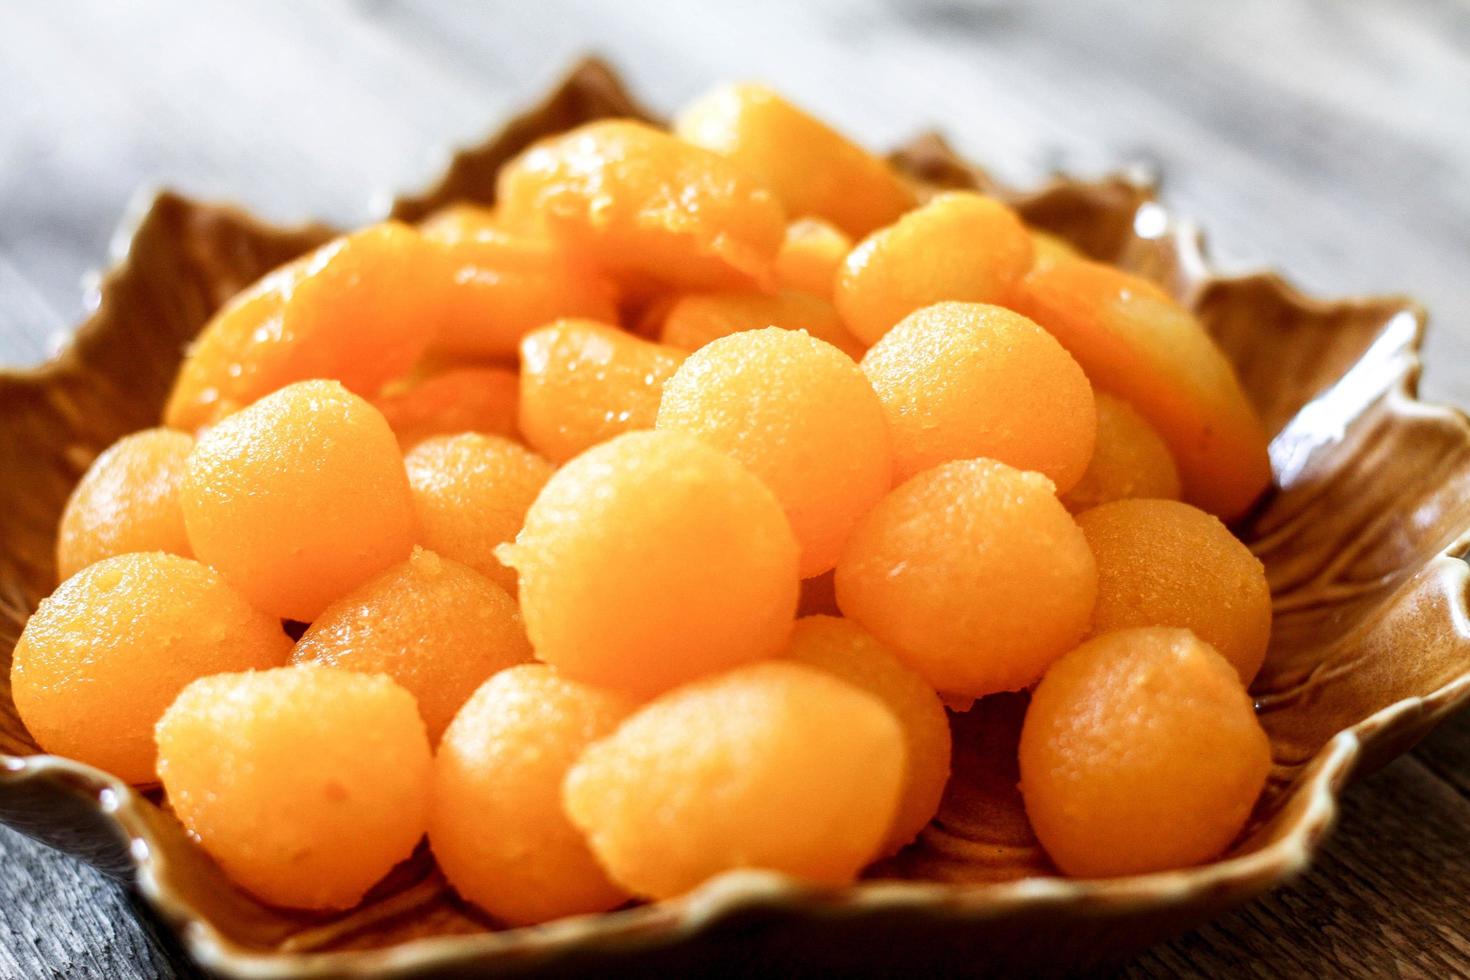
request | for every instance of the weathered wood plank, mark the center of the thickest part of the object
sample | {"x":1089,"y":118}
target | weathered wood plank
{"x":1446,"y":753}
{"x":63,"y":920}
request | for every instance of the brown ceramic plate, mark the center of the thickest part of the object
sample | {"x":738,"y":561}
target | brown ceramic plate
{"x":1361,"y":539}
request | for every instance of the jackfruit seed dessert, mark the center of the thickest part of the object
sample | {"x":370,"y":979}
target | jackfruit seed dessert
{"x":654,"y":516}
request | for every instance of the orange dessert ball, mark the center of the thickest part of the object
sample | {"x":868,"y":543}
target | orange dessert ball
{"x":1129,"y":460}
{"x":435,"y":626}
{"x":470,"y":494}
{"x":774,"y":766}
{"x":583,"y":383}
{"x":813,"y":169}
{"x":299,"y":498}
{"x":1140,"y":752}
{"x":1134,"y":341}
{"x":653,"y":559}
{"x":306,"y":784}
{"x":698,"y":318}
{"x":1047,"y":249}
{"x":352,"y":311}
{"x":128,"y":500}
{"x":646,"y":206}
{"x":848,"y":652}
{"x":959,"y":246}
{"x":497,"y":826}
{"x":504,"y":286}
{"x":973,"y":574}
{"x":810,"y":256}
{"x":960,"y":380}
{"x":471,"y":399}
{"x":460,"y":220}
{"x":104,"y":656}
{"x":798,"y":414}
{"x":1163,"y":563}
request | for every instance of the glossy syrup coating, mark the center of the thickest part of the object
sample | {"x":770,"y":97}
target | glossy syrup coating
{"x":798,"y":414}
{"x":504,"y":285}
{"x":810,"y":256}
{"x":645,"y":206}
{"x":1135,"y":342}
{"x":961,"y":380}
{"x":1164,"y":563}
{"x":497,"y":826}
{"x":352,"y":311}
{"x":1129,"y":460}
{"x":465,"y":399}
{"x":850,"y":653}
{"x":653,"y":559}
{"x":470,"y":495}
{"x":1140,"y":752}
{"x":774,"y":766}
{"x":299,"y":498}
{"x":583,"y":383}
{"x":435,"y":626}
{"x":973,"y":574}
{"x":696,"y":319}
{"x":128,"y":500}
{"x":814,"y":169}
{"x":102,"y":658}
{"x":959,"y":246}
{"x":306,"y":784}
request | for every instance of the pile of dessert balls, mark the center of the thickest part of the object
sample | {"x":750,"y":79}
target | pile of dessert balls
{"x":646,"y":525}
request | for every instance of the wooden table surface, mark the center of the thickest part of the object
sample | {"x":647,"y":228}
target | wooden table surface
{"x":1329,"y":140}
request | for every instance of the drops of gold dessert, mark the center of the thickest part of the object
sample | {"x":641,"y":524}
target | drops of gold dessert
{"x":655,"y":516}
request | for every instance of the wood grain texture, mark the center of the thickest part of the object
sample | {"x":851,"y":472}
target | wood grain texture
{"x":64,"y":919}
{"x":1324,"y":139}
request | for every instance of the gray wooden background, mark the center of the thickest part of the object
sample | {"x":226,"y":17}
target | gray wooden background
{"x":1328,"y":139}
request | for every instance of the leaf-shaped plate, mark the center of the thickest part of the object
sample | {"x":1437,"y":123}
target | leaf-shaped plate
{"x":1361,"y":539}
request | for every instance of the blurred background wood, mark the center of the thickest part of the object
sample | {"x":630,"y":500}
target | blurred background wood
{"x":1328,"y":140}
